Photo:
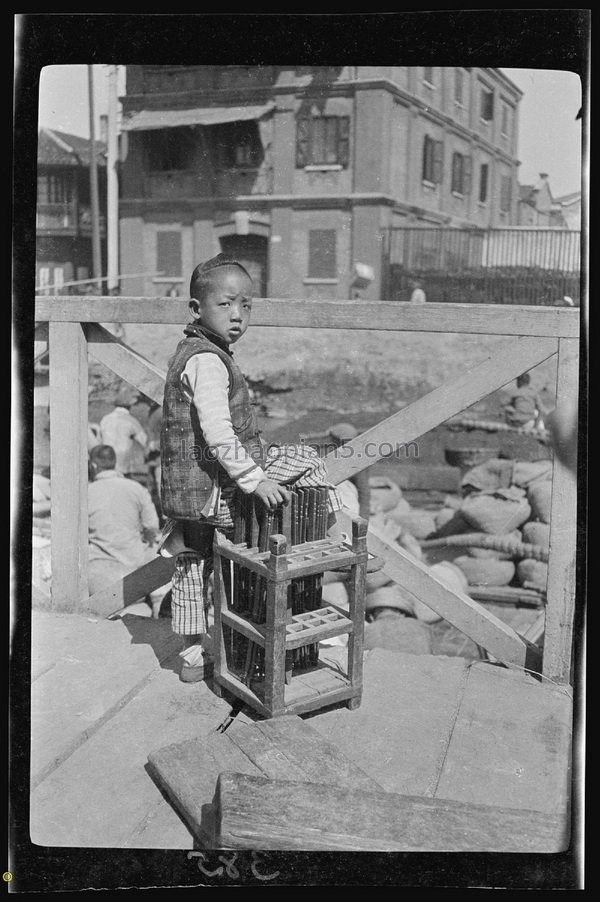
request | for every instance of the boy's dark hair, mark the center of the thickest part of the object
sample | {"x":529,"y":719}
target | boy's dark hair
{"x":523,"y":379}
{"x":201,"y":275}
{"x":104,"y":457}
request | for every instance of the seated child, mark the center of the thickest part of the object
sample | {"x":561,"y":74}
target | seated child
{"x":211,"y":448}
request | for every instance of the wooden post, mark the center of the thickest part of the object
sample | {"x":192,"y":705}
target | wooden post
{"x":68,"y":464}
{"x":356,"y":598}
{"x":277,"y":592}
{"x":220,"y":602}
{"x":560,"y":593}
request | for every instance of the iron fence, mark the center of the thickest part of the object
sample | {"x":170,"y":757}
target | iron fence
{"x":483,"y":266}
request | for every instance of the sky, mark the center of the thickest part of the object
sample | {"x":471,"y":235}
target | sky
{"x":549,"y":133}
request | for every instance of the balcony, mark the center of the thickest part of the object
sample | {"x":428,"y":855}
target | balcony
{"x":177,"y":184}
{"x":68,"y":219}
{"x":231,"y":182}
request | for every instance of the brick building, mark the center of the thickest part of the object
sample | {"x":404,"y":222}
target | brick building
{"x":299,"y":171}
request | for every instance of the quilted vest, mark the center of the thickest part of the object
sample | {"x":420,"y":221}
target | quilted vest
{"x":188,"y":468}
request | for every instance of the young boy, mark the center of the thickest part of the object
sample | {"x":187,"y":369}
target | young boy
{"x":210,"y":445}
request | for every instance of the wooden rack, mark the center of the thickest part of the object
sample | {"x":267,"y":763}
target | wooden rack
{"x":278,"y":680}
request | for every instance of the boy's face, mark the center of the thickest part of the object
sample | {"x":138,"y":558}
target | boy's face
{"x":225,"y":309}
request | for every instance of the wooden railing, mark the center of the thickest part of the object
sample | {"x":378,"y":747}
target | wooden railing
{"x":71,"y":327}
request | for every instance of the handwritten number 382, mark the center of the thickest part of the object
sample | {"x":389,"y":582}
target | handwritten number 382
{"x":230,"y":868}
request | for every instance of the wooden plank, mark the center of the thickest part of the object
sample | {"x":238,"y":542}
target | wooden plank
{"x":277,"y":592}
{"x":514,"y":595}
{"x":511,"y":743}
{"x":219,"y":608}
{"x":264,"y":753}
{"x":356,"y":587}
{"x":68,"y":464}
{"x":135,"y":585}
{"x":418,"y":418}
{"x":467,"y":615}
{"x":319,"y":700}
{"x":400,"y":733}
{"x":253,"y":812}
{"x":187,"y":772}
{"x":320,"y":760}
{"x":228,"y":681}
{"x":386,"y":316}
{"x":125,"y":362}
{"x":535,"y":632}
{"x":243,"y":626}
{"x":561,"y":586}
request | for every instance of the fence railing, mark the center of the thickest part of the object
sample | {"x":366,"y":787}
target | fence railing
{"x":485,"y":266}
{"x":71,"y":327}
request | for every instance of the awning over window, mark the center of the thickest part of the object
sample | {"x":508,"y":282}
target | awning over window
{"x":145,"y":120}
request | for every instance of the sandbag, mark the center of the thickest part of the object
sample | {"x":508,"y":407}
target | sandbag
{"x":486,"y":572}
{"x":388,"y":528}
{"x":539,"y":495}
{"x":408,"y":542}
{"x":532,"y":574}
{"x":397,"y":512}
{"x":385,"y":494}
{"x":537,"y":533}
{"x":419,"y":523}
{"x":451,"y":575}
{"x":336,"y":593}
{"x":443,"y":516}
{"x":453,"y":526}
{"x":377,"y":579}
{"x":528,"y":472}
{"x":497,"y":513}
{"x":495,"y":473}
{"x":390,"y":596}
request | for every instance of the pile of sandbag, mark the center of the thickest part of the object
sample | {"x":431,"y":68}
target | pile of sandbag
{"x":498,"y":533}
{"x":387,"y":499}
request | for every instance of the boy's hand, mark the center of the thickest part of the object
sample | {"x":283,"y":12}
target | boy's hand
{"x":272,"y":494}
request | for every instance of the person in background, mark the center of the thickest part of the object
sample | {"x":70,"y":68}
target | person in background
{"x":123,"y":432}
{"x":340,"y":434}
{"x":417,"y":295}
{"x":524,"y":409}
{"x":122,"y":526}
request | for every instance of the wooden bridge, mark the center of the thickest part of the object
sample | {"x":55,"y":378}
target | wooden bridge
{"x":71,"y":328}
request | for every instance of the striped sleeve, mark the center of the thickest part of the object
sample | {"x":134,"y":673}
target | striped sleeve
{"x":205,"y":382}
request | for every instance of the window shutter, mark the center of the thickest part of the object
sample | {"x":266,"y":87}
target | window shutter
{"x":343,"y":149}
{"x":456,"y":177}
{"x":426,"y":176}
{"x":303,"y":131}
{"x":467,"y":174}
{"x":322,"y":254}
{"x":505,"y":193}
{"x":438,"y":162}
{"x":483,"y":181}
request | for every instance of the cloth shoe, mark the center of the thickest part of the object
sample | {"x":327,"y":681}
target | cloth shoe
{"x":196,"y":664}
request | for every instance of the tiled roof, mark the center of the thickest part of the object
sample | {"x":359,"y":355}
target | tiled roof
{"x":61,"y":149}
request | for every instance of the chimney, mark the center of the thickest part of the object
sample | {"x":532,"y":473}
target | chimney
{"x":543,"y":176}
